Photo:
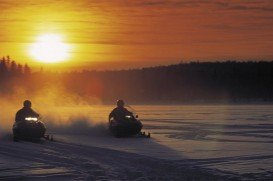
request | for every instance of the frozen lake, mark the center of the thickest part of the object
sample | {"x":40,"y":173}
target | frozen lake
{"x":233,"y":139}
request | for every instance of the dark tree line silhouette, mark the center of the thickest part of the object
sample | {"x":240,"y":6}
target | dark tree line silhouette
{"x":181,"y":83}
{"x":188,"y":82}
{"x":9,"y":67}
{"x":11,"y":72}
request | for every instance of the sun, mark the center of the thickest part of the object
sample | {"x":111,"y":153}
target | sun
{"x":50,"y":48}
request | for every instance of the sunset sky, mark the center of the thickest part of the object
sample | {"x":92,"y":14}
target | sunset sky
{"x":122,"y":34}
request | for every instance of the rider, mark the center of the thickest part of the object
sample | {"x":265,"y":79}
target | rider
{"x":120,"y":111}
{"x":26,"y":111}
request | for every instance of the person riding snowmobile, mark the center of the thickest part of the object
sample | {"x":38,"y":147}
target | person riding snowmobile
{"x":122,"y":123}
{"x":27,"y":125}
{"x":120,"y":112}
{"x":26,"y":111}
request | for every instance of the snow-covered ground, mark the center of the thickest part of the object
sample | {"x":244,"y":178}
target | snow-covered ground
{"x":220,"y":142}
{"x":69,"y":160}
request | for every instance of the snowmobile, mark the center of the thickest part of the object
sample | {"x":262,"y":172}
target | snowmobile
{"x":129,"y":126}
{"x":30,"y":129}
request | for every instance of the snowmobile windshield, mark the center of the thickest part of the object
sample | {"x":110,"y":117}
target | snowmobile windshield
{"x":31,"y":119}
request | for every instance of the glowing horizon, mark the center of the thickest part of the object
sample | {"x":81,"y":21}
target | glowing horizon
{"x":138,"y":33}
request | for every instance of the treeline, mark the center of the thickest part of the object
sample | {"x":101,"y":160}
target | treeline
{"x":12,"y":73}
{"x":9,"y":67}
{"x":185,"y":82}
{"x":180,"y":83}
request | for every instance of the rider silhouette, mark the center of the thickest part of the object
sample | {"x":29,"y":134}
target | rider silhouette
{"x":120,"y":111}
{"x":25,"y":112}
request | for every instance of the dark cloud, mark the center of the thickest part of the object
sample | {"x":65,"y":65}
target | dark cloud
{"x":249,"y":8}
{"x":261,"y":5}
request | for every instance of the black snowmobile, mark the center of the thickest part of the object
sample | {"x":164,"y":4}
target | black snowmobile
{"x":129,"y":126}
{"x":29,"y":129}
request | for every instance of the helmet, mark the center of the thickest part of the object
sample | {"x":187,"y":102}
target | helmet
{"x":120,"y":103}
{"x":27,"y":103}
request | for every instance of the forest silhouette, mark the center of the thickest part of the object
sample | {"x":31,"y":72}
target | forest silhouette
{"x":194,"y":82}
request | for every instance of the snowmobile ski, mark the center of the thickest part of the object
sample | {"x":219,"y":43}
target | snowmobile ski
{"x":144,"y":135}
{"x":48,"y":137}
